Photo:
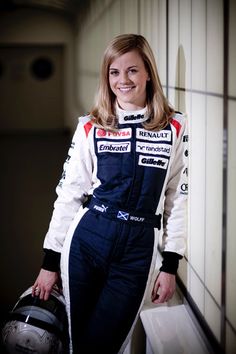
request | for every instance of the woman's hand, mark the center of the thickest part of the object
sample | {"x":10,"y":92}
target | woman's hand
{"x":164,"y":288}
{"x":44,"y":284}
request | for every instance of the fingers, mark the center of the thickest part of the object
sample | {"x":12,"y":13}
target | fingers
{"x":46,"y":295}
{"x":44,"y":283}
{"x":162,"y":296}
{"x":156,"y":292}
{"x":41,"y":292}
{"x":35,"y":290}
{"x":155,"y":298}
{"x":164,"y":288}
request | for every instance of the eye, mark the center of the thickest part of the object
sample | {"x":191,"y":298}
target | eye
{"x":114,"y":72}
{"x":133,"y":71}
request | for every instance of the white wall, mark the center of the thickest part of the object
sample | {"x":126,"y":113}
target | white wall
{"x":102,"y":21}
{"x":195,"y":86}
{"x":231,"y":220}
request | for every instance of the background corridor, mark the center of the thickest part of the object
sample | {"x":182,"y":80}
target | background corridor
{"x":31,"y":166}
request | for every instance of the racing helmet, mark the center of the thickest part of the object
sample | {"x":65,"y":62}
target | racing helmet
{"x":36,"y":326}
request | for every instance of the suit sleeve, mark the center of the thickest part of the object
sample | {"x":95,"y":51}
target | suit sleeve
{"x":175,"y":205}
{"x":71,"y":191}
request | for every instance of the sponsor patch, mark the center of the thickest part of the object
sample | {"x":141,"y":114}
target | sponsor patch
{"x":108,"y":146}
{"x":122,"y":215}
{"x":119,"y":134}
{"x":144,"y":134}
{"x":153,"y":161}
{"x":136,"y":218}
{"x":154,"y":149}
{"x":102,"y":208}
{"x":185,"y":171}
{"x":184,"y":188}
{"x":133,"y":117}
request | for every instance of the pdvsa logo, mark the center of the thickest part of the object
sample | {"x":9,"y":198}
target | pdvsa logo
{"x":118,"y":134}
{"x":101,"y":133}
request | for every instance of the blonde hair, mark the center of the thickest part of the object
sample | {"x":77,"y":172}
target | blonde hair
{"x":159,"y":110}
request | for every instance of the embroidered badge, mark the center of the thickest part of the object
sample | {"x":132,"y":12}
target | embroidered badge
{"x":122,"y":215}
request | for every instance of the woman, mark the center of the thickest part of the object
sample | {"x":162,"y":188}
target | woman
{"x":125,"y":168}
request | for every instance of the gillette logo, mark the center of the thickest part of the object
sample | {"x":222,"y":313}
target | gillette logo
{"x":153,"y":162}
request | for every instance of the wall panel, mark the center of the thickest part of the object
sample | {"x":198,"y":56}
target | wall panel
{"x":146,"y":18}
{"x":231,"y":219}
{"x":113,"y":18}
{"x":196,"y":290}
{"x":161,"y":41}
{"x":184,"y":49}
{"x":198,"y":47}
{"x":212,"y":315}
{"x":184,"y":272}
{"x":173,"y":43}
{"x":197,"y":188}
{"x":232,"y":48}
{"x":185,"y":104}
{"x":129,"y":16}
{"x":214,"y":182}
{"x":214,"y":32}
{"x":155,"y":25}
{"x":174,"y":98}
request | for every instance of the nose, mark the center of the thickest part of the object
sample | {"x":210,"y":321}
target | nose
{"x":124,"y":78}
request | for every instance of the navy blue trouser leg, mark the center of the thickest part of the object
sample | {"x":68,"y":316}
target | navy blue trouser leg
{"x":108,"y":269}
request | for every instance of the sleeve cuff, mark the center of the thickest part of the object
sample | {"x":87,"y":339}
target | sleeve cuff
{"x":51,"y":260}
{"x":170,"y":262}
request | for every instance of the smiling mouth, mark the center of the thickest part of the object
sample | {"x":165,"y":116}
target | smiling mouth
{"x":126,"y":89}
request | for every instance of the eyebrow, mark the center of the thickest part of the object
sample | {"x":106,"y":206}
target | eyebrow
{"x":130,"y":67}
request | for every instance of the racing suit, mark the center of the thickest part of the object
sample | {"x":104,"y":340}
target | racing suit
{"x":114,"y":189}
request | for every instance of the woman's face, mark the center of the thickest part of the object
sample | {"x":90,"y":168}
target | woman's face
{"x":127,"y":78}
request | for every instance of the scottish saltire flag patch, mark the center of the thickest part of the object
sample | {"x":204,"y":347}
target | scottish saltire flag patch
{"x":122,"y":215}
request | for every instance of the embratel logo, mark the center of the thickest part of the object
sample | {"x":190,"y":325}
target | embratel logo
{"x":119,"y":134}
{"x":108,"y":146}
{"x":158,"y":162}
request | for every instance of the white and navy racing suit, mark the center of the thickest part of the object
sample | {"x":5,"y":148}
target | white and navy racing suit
{"x":114,"y":189}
